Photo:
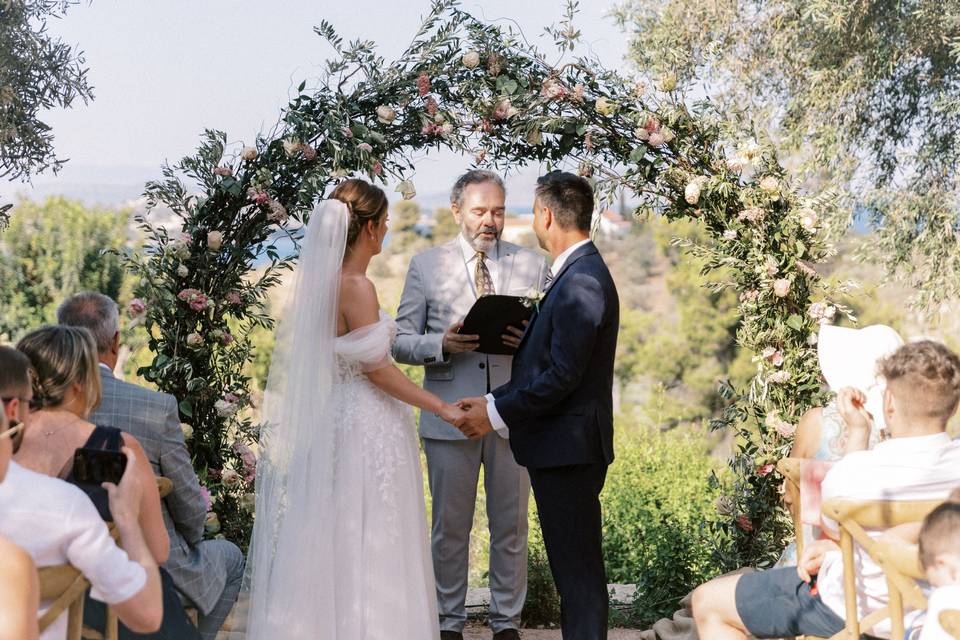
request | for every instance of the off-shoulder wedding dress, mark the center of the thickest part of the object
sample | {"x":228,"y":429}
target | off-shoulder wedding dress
{"x":340,"y":547}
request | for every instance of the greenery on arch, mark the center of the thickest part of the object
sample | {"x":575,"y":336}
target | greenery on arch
{"x":482,"y":90}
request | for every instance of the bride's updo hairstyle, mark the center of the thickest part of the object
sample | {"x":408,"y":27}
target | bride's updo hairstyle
{"x":365,"y":201}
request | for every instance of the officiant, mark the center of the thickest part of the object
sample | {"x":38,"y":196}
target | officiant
{"x":442,"y":285}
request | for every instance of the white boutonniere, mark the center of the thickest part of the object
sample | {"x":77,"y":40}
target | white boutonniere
{"x":532,"y":298}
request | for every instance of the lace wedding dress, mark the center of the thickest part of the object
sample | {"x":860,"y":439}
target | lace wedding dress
{"x":340,"y":546}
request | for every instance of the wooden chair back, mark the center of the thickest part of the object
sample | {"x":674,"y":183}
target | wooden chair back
{"x":950,"y":621}
{"x":900,"y":563}
{"x":66,"y":587}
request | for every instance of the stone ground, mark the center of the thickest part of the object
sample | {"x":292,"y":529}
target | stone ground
{"x":476,"y":631}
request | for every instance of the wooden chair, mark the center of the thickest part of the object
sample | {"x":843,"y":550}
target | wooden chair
{"x":950,"y":621}
{"x":899,"y":563}
{"x":66,"y":587}
{"x":789,"y":468}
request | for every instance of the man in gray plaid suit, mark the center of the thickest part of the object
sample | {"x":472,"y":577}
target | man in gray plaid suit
{"x":207,"y":572}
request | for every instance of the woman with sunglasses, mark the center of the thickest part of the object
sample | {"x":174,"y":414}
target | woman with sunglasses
{"x":65,"y":390}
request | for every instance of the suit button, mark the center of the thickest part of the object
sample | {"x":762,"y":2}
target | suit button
{"x":483,"y":365}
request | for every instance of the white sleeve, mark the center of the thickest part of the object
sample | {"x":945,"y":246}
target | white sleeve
{"x":495,"y":420}
{"x":113,"y":575}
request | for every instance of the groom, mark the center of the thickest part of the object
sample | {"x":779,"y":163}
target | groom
{"x":558,"y":404}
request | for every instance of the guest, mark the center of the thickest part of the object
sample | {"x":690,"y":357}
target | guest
{"x":66,"y":388}
{"x":940,"y":556}
{"x":917,"y":462}
{"x":207,"y":572}
{"x":55,"y":523}
{"x":19,"y":593}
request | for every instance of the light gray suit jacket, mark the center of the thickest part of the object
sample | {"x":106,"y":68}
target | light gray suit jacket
{"x":154,"y":420}
{"x":439,"y":291}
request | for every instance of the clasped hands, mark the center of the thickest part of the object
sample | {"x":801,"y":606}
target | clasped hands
{"x":470,"y":416}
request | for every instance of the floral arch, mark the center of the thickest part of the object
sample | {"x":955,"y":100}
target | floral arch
{"x":481,"y":90}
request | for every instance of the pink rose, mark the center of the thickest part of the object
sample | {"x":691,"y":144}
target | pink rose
{"x":749,"y":296}
{"x":248,"y":459}
{"x":493,"y":65}
{"x":197,"y":300}
{"x":752,"y":214}
{"x":277,"y":213}
{"x":222,"y":171}
{"x":258,"y":197}
{"x":347,"y":132}
{"x":552,"y":89}
{"x":432,"y":106}
{"x":136,"y":308}
{"x":502,"y":110}
{"x":744,"y":523}
{"x":577,"y":95}
{"x":233,"y":298}
{"x":655,"y":139}
{"x":423,"y":84}
{"x":765,"y":470}
{"x":309,"y":153}
{"x":652,"y":125}
{"x":227,"y":338}
{"x":377,"y":168}
{"x":773,"y":356}
{"x":365,"y":147}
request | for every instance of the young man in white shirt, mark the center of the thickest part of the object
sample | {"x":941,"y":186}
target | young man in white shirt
{"x":918,"y":462}
{"x":940,"y":555}
{"x":56,"y":523}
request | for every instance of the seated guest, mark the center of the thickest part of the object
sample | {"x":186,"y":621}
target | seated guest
{"x":940,"y":555}
{"x":207,"y":572}
{"x":917,"y":462}
{"x":19,"y":593}
{"x":55,"y":523}
{"x":66,"y":388}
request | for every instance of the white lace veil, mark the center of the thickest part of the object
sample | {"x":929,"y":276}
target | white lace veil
{"x":296,"y":444}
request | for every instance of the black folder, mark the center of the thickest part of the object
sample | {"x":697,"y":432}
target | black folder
{"x":489,"y":318}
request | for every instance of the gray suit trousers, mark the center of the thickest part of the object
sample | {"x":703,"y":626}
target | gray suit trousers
{"x":453,"y":469}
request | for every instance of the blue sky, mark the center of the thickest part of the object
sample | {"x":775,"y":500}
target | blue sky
{"x":164,"y":71}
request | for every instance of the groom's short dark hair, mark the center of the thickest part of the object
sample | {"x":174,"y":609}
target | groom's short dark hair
{"x":569,"y":197}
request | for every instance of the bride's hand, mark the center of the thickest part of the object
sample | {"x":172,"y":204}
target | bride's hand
{"x":451,"y":413}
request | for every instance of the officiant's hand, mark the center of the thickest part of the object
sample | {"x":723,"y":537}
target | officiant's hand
{"x":476,"y":423}
{"x":514,"y":335}
{"x":454,"y":342}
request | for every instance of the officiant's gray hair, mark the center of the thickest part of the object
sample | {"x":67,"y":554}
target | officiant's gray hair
{"x":93,"y":311}
{"x":474,"y":176}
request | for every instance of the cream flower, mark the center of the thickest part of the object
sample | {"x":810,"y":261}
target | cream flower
{"x":471,"y":59}
{"x":230,"y":478}
{"x":183,"y":271}
{"x":668,"y":134}
{"x":656,"y":139}
{"x":406,"y":189}
{"x":809,"y":220}
{"x":692,"y":191}
{"x":781,"y":288}
{"x":668,"y":82}
{"x":364,"y":147}
{"x":735,"y":164}
{"x":248,"y":153}
{"x":770,"y":184}
{"x":187,"y":430}
{"x":641,"y":133}
{"x":194,"y":340}
{"x":730,"y":234}
{"x":214,"y":240}
{"x":385,"y":114}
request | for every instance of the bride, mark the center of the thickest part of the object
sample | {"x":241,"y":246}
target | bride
{"x":340,"y":548}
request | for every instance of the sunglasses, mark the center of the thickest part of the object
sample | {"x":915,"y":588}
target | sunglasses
{"x":15,"y":434}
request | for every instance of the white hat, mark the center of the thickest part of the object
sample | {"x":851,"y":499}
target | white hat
{"x":849,"y":357}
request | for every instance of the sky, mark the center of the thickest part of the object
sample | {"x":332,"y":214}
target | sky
{"x":164,"y":71}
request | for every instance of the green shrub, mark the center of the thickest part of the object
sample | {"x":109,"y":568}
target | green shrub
{"x":542,"y":606}
{"x":656,"y":503}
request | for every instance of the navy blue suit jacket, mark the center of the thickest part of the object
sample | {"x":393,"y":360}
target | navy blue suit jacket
{"x":559,"y":401}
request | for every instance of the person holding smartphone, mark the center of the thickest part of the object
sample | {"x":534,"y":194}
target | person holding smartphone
{"x":55,"y":523}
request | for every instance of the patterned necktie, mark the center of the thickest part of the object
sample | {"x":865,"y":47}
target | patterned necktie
{"x":481,"y":277}
{"x":548,"y":280}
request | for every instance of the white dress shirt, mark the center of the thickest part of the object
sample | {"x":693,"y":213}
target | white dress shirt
{"x":494,"y":416}
{"x":942,"y":599}
{"x":56,"y":523}
{"x":916,"y":468}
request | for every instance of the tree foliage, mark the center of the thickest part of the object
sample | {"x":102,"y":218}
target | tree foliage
{"x":37,"y":72}
{"x":865,"y":94}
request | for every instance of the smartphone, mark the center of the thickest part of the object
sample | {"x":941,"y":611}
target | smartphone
{"x":96,"y":466}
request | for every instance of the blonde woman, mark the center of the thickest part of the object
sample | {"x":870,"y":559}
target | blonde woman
{"x":66,"y":389}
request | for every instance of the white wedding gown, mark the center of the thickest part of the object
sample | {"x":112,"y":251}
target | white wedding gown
{"x":340,"y":547}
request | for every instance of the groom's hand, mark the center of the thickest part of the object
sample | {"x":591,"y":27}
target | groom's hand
{"x":455,"y":342}
{"x":476,"y":423}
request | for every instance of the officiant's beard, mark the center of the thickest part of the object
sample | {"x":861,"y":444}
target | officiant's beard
{"x":480,"y":243}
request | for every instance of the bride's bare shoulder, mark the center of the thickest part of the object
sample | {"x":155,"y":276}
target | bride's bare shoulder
{"x":357,"y":291}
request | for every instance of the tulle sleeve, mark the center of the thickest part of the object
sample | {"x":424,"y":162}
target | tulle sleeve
{"x":370,"y":345}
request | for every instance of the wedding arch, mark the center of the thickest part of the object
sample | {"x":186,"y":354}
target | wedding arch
{"x":480,"y":89}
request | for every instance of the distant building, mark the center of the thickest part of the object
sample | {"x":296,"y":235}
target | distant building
{"x":613,"y":224}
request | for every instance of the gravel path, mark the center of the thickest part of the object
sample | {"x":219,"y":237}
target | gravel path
{"x":479,"y":632}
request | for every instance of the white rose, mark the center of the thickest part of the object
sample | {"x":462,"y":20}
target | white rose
{"x":471,"y":59}
{"x":642,"y":133}
{"x":692,"y":193}
{"x":194,"y":340}
{"x":781,"y":288}
{"x":248,"y":153}
{"x":655,"y":139}
{"x":224,"y":408}
{"x":291,"y":147}
{"x":770,"y":184}
{"x":385,"y":114}
{"x":447,"y":128}
{"x":406,"y":189}
{"x":214,"y":240}
{"x":187,"y":430}
{"x":809,"y":220}
{"x":230,"y":478}
{"x":730,"y":234}
{"x":182,"y":271}
{"x":812,"y":339}
{"x":735,"y":164}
